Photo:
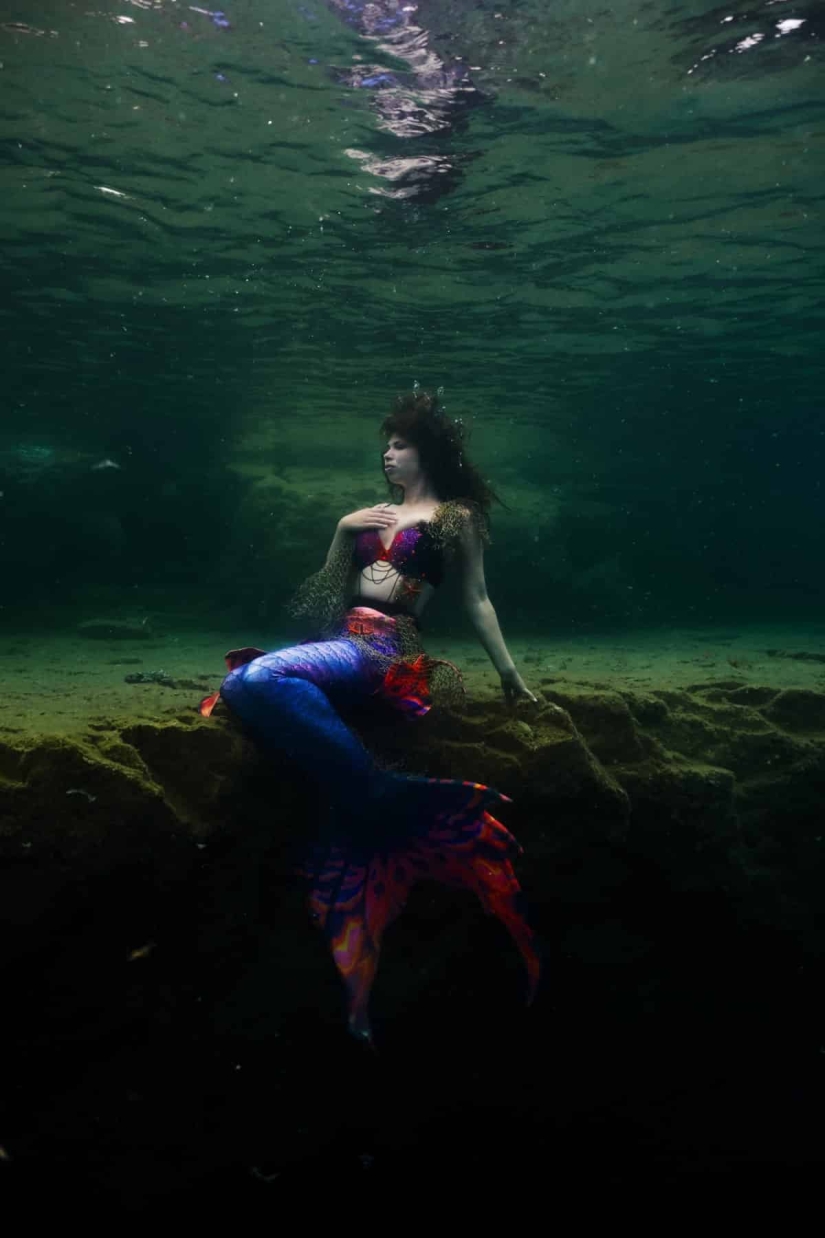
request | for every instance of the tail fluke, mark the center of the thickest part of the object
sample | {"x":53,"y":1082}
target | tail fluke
{"x":417,"y":829}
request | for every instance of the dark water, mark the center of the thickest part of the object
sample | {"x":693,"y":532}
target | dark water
{"x":227,"y":247}
{"x":229,"y":238}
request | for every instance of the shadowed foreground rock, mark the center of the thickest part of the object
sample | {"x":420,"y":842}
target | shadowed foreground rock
{"x":176,"y":1026}
{"x":719,"y":786}
{"x":713,"y":791}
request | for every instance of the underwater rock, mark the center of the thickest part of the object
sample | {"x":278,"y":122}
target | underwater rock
{"x":159,"y":677}
{"x":197,"y":765}
{"x":719,"y":787}
{"x":96,"y":800}
{"x":67,"y":802}
{"x":29,"y":462}
{"x":683,"y":818}
{"x":563,"y":771}
{"x":798,"y":709}
{"x":606,"y":722}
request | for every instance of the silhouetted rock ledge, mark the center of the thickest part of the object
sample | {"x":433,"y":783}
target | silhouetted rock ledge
{"x":175,"y":1028}
{"x":717,"y":786}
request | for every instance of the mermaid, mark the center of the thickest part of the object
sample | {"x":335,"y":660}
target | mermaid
{"x":388,"y":830}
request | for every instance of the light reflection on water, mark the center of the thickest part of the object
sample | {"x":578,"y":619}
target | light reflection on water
{"x":613,"y":258}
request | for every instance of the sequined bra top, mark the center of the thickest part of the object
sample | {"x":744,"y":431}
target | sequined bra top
{"x":413,"y":553}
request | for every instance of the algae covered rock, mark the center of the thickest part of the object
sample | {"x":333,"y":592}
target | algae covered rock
{"x":606,"y":722}
{"x":684,"y":820}
{"x":562,"y":771}
{"x":71,"y":802}
{"x":196,"y":763}
{"x":798,"y":709}
{"x":718,"y":786}
{"x":105,"y":795}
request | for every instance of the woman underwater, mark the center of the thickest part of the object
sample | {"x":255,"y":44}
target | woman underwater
{"x":388,"y":830}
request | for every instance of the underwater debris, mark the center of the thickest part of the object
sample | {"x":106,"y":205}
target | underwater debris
{"x":141,"y":952}
{"x":257,"y":1173}
{"x":151,"y":677}
{"x":79,"y":791}
{"x":167,"y":681}
{"x":216,"y":16}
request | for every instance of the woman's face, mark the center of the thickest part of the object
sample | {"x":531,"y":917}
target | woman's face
{"x":402,"y":464}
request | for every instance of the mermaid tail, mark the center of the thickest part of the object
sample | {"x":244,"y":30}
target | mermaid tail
{"x":389,"y":830}
{"x":431,"y":828}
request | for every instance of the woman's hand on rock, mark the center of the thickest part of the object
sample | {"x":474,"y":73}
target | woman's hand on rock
{"x":380,"y":517}
{"x":515,"y":689}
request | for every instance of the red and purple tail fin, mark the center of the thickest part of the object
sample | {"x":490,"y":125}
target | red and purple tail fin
{"x":443,"y":832}
{"x":233,"y":659}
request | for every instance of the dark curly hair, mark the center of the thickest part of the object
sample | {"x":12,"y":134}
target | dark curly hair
{"x":418,"y":417}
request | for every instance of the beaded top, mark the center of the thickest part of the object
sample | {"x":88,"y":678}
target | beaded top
{"x":413,"y":552}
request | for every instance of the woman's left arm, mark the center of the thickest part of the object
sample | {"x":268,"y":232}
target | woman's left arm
{"x":483,"y":616}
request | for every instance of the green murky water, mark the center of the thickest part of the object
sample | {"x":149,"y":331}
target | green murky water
{"x":226,"y":247}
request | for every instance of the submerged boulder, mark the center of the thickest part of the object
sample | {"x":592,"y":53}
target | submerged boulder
{"x":719,"y":787}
